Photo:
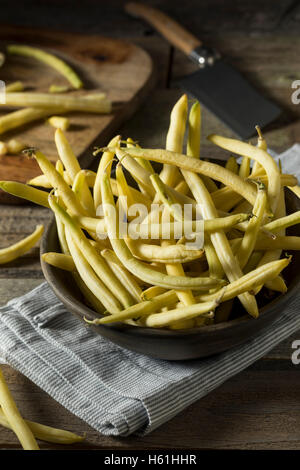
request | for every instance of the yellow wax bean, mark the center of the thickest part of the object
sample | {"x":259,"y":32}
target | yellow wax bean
{"x":232,"y":165}
{"x":157,"y":230}
{"x":250,"y":236}
{"x":249,"y":281}
{"x":258,"y":154}
{"x":15,"y":146}
{"x":14,"y":86}
{"x":219,"y":240}
{"x":3,"y":148}
{"x":169,"y":201}
{"x":140,"y":174}
{"x":57,"y":182}
{"x":214,"y":265}
{"x":14,"y":418}
{"x":59,"y":260}
{"x":244,"y":170}
{"x":93,"y":258}
{"x":262,"y":144}
{"x":48,"y":59}
{"x":61,"y":233}
{"x":144,"y":163}
{"x":126,"y":199}
{"x":21,"y":247}
{"x":24,"y":116}
{"x":122,"y":274}
{"x":279,"y":243}
{"x":88,"y":276}
{"x":58,"y":88}
{"x":283,"y":222}
{"x":169,"y":174}
{"x":197,"y":166}
{"x":226,"y":193}
{"x":276,"y":284}
{"x":136,"y":267}
{"x":105,"y":162}
{"x":193,"y":142}
{"x":152,"y":292}
{"x":59,"y":122}
{"x":72,"y":167}
{"x":296,"y":190}
{"x":241,"y":285}
{"x":139,"y":310}
{"x":46,"y":433}
{"x":163,"y":254}
{"x":89,"y":296}
{"x":159,"y":320}
{"x":66,"y":103}
{"x":83,"y":193}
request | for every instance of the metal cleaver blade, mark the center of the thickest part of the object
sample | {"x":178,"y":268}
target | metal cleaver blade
{"x":216,"y":84}
{"x":226,"y":93}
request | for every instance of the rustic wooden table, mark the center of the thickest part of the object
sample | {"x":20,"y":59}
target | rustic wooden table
{"x":259,"y":408}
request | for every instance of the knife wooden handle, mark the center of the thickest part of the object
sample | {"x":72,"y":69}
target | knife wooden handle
{"x":170,"y":29}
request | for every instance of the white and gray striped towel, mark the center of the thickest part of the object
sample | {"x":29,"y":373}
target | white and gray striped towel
{"x":116,"y":391}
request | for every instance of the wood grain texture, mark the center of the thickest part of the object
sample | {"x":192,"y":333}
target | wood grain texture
{"x":165,"y":25}
{"x":120,"y":69}
{"x":100,"y":16}
{"x":254,"y":410}
{"x":259,"y":408}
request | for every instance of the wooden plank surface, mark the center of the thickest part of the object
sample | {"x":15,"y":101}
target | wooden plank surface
{"x":259,"y":408}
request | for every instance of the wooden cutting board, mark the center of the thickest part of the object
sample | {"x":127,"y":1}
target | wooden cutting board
{"x":118,"y":68}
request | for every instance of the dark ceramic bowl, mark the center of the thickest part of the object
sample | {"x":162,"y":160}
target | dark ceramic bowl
{"x":177,"y":344}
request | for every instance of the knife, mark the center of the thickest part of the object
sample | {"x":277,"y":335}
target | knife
{"x":216,"y":84}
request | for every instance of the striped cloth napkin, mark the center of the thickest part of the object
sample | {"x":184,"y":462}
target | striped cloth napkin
{"x":116,"y":391}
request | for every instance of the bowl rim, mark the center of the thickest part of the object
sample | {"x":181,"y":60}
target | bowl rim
{"x":78,"y":306}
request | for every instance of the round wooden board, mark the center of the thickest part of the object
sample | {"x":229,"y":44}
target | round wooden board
{"x":120,"y":69}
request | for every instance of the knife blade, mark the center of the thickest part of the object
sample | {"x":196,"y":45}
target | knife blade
{"x":217,"y":85}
